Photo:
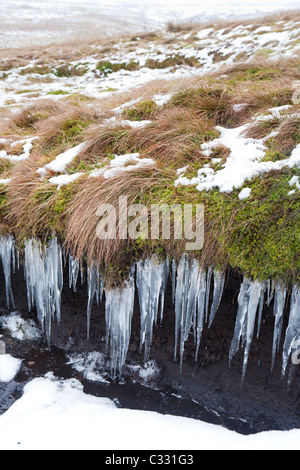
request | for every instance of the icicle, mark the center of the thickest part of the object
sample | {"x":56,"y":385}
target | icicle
{"x":151,"y":280}
{"x":189,"y":304}
{"x":118,"y":315}
{"x":243,"y":300}
{"x":208,"y":284}
{"x":255,"y":292}
{"x":44,"y":279}
{"x":74,"y":267}
{"x":219,"y":280}
{"x":261,"y":307}
{"x":292,"y":336}
{"x":248,"y":301}
{"x":270,"y":292}
{"x":279,"y":304}
{"x":173,"y":280}
{"x":202,"y":291}
{"x":7,"y":254}
{"x":95,"y":290}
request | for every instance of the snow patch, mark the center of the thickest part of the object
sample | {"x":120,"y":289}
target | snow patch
{"x":9,"y":367}
{"x":19,"y":328}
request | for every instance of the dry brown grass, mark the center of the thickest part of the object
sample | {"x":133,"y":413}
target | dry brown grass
{"x":27,"y":118}
{"x":262,"y":129}
{"x":174,"y":137}
{"x":81,"y":235}
{"x":288,"y":136}
{"x":26,"y":214}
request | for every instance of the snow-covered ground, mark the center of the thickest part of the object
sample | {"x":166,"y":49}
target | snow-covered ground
{"x":207,"y":49}
{"x":57,"y":415}
{"x":27,"y":22}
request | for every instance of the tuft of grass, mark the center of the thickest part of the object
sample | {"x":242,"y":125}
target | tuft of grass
{"x":209,"y":103}
{"x":141,"y":111}
{"x":58,"y":92}
{"x":172,"y":61}
{"x":106,"y":67}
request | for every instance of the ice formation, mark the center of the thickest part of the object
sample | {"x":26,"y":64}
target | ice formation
{"x":8,"y":258}
{"x":279,"y":304}
{"x":151,"y":281}
{"x":44,"y":279}
{"x":74,"y":267}
{"x":219,"y":281}
{"x":192,"y":302}
{"x":292,"y":336}
{"x":248,"y":301}
{"x":95,"y":290}
{"x":196,"y":301}
{"x":118,"y":315}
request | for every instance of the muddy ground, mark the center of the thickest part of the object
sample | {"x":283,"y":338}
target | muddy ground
{"x":209,"y":389}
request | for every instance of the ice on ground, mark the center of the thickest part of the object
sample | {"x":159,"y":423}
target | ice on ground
{"x":91,"y":364}
{"x":19,"y":328}
{"x":148,"y":372}
{"x":9,"y":367}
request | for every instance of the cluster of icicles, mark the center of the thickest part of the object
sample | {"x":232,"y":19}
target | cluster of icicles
{"x":195,"y":305}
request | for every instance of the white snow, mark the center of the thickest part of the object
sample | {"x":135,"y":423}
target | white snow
{"x":27,"y":147}
{"x":56,"y":414}
{"x":245,"y":193}
{"x":161,"y":99}
{"x":59,"y":164}
{"x":9,"y":367}
{"x":5,"y":181}
{"x":19,"y":328}
{"x":244,"y":162}
{"x":62,"y":180}
{"x":120,"y":163}
{"x":91,"y":364}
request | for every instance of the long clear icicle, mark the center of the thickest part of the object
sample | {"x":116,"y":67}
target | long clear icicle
{"x":151,"y":281}
{"x":219,"y":281}
{"x":44,"y":279}
{"x":279,"y":304}
{"x":248,"y":300}
{"x":190,"y":296}
{"x":292,"y":336}
{"x":95,"y":290}
{"x":202,"y":291}
{"x":118,"y":315}
{"x":7,"y":254}
{"x":74,"y":267}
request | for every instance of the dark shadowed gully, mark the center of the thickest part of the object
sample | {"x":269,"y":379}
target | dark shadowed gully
{"x":209,"y":390}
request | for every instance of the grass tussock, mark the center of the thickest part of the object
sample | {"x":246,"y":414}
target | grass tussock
{"x":81,"y":234}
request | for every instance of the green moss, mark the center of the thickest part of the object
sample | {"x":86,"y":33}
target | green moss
{"x":70,"y":130}
{"x":106,"y":67}
{"x":172,"y":61}
{"x":58,"y":92}
{"x":259,"y":236}
{"x":36,"y":69}
{"x":141,"y":111}
{"x":67,"y":70}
